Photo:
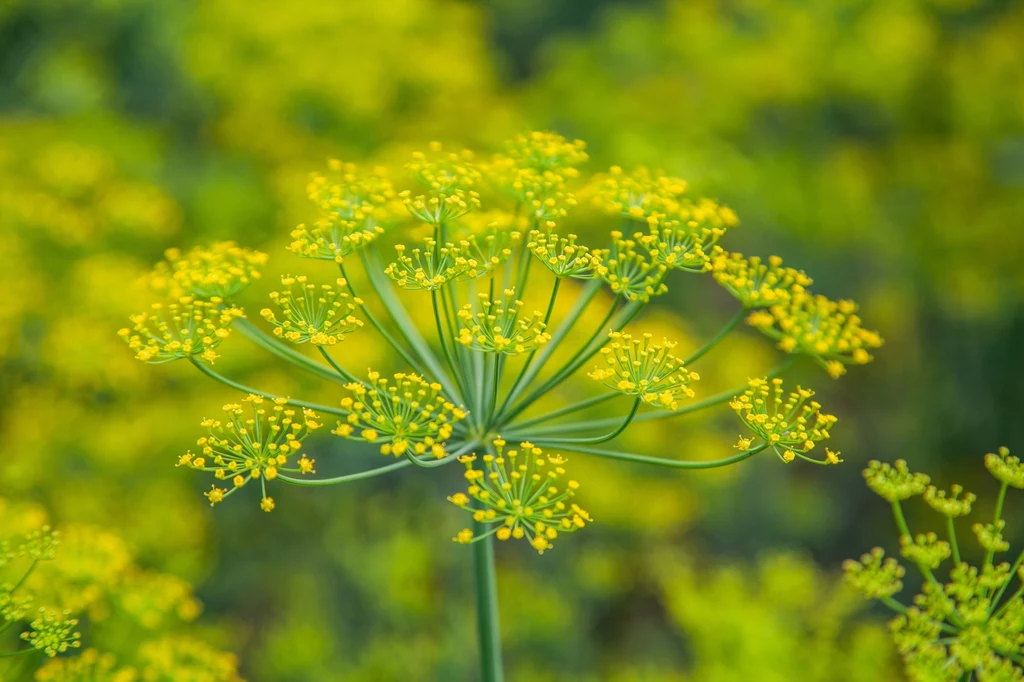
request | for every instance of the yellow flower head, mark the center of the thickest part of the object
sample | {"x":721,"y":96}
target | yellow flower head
{"x":451,"y":180}
{"x":629,"y":273}
{"x":497,"y":327}
{"x":647,"y":370}
{"x":188,"y":327}
{"x":563,"y":256}
{"x":434,"y":265}
{"x":546,"y":151}
{"x":519,"y":495}
{"x":791,"y":424}
{"x":318,"y":314}
{"x":220,"y":270}
{"x":256,"y":440}
{"x":683,"y":236}
{"x":756,"y":283}
{"x":408,"y":414}
{"x":353,"y":208}
{"x":643,"y":195}
{"x":829,"y":331}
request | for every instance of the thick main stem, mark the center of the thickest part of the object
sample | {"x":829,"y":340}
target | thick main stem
{"x":488,"y":628}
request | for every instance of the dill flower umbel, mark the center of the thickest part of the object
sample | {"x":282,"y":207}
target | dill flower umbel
{"x":646,"y":370}
{"x":220,"y":271}
{"x":434,"y":265}
{"x":497,"y":327}
{"x":756,"y":283}
{"x":406,"y":415}
{"x":318,"y":314}
{"x":450,"y":180}
{"x":519,"y":496}
{"x":255,"y":441}
{"x":629,"y":273}
{"x":791,"y":424}
{"x":563,"y":256}
{"x":642,"y":195}
{"x":682,"y":238}
{"x":965,"y":622}
{"x":188,"y":327}
{"x":828,"y":331}
{"x":353,"y":206}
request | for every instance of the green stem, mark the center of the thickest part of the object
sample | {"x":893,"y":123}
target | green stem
{"x":995,"y":520}
{"x":382,"y":285}
{"x":671,"y":463}
{"x":18,"y":653}
{"x":460,"y":390}
{"x":522,"y":373}
{"x":345,"y":374}
{"x":716,"y":399}
{"x":595,"y":439}
{"x":315,"y":482}
{"x":952,"y":540}
{"x":900,"y":608}
{"x":1002,"y":590}
{"x":270,"y":396}
{"x":717,"y":338}
{"x":590,"y":402}
{"x":488,"y":627}
{"x":269,"y":343}
{"x":377,"y":325}
{"x":588,"y":294}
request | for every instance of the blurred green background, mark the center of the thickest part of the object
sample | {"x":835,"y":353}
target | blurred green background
{"x":877,"y":144}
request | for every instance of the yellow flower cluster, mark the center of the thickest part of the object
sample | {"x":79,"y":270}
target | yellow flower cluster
{"x":496,"y":326}
{"x":352,"y":205}
{"x":642,"y":195}
{"x":535,"y":171}
{"x":647,"y":370}
{"x":221,"y":270}
{"x":318,"y":314}
{"x":436,"y":264}
{"x":756,"y":283}
{"x":828,"y":331}
{"x":252,"y":444}
{"x":682,"y":237}
{"x":519,"y":496}
{"x":791,"y":425}
{"x":629,"y":273}
{"x":409,"y":415}
{"x":188,"y":327}
{"x":451,"y":180}
{"x":563,"y":256}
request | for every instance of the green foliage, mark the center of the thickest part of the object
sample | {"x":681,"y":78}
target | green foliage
{"x":968,"y":625}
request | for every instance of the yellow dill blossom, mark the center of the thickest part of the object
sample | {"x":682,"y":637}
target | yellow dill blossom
{"x":791,"y":424}
{"x":1005,"y":468}
{"x":353,"y":206}
{"x":875,"y":576}
{"x":407,"y":415}
{"x":318,"y":314}
{"x":642,"y":195}
{"x":629,"y":273}
{"x":450,"y":180}
{"x":756,"y":283}
{"x":53,"y":632}
{"x":546,"y":151}
{"x":497,"y":327}
{"x":828,"y":331}
{"x":563,"y":256}
{"x":894,"y":482}
{"x":647,"y":370}
{"x":180,"y":657}
{"x":434,"y":265}
{"x":256,"y":440}
{"x":956,"y":503}
{"x":90,"y":666}
{"x":519,"y":496}
{"x":682,"y":238}
{"x":220,"y":270}
{"x":188,"y":327}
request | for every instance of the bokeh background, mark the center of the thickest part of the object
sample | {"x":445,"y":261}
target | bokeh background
{"x":877,"y":144}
